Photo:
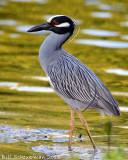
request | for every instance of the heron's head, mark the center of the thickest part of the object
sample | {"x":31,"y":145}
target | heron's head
{"x":59,"y":24}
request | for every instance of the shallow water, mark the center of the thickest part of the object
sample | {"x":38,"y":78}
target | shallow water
{"x":34,"y":89}
{"x":8,"y":22}
{"x":18,"y":87}
{"x":40,"y":78}
{"x":101,"y":33}
{"x":12,"y":134}
{"x":57,"y":151}
{"x":92,"y":2}
{"x":124,"y":109}
{"x":124,"y":24}
{"x":101,"y":14}
{"x":118,"y":71}
{"x":120,"y":93}
{"x":12,"y":85}
{"x":27,"y":27}
{"x":37,"y":1}
{"x":1,"y":32}
{"x":3,"y":2}
{"x":34,"y":121}
{"x":109,"y":7}
{"x":103,"y":43}
{"x":14,"y":35}
{"x":15,"y":86}
{"x":125,"y":37}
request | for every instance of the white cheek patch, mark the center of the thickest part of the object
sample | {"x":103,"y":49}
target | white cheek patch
{"x":65,"y":24}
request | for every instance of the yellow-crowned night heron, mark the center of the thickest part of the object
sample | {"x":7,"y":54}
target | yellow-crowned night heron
{"x":71,"y":79}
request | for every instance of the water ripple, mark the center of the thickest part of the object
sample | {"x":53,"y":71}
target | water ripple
{"x":98,"y":32}
{"x":103,"y":43}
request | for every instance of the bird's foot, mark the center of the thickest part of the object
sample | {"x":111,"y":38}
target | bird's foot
{"x":95,"y":150}
{"x":69,"y":149}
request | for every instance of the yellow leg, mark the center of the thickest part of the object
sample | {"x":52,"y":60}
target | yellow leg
{"x":72,"y":124}
{"x":86,"y":127}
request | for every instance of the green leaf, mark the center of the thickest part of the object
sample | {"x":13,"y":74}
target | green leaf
{"x":108,"y":128}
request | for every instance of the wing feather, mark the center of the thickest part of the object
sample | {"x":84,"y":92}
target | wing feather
{"x":74,"y":80}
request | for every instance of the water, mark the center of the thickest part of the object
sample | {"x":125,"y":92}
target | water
{"x":108,"y":7}
{"x":101,"y":33}
{"x":14,"y":35}
{"x":118,"y":71}
{"x":124,"y":109}
{"x":24,"y":28}
{"x":101,"y":14}
{"x":92,"y":2}
{"x":34,"y":89}
{"x":124,"y":24}
{"x":37,"y":1}
{"x":120,"y":94}
{"x":3,"y":2}
{"x":8,"y":22}
{"x":47,"y":16}
{"x":27,"y":27}
{"x":40,"y":78}
{"x":58,"y":151}
{"x":1,"y":32}
{"x":14,"y":134}
{"x":103,"y":43}
{"x":124,"y":37}
{"x":34,"y":121}
{"x":13,"y":85}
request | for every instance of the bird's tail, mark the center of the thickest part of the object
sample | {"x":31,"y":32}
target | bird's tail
{"x":108,"y":108}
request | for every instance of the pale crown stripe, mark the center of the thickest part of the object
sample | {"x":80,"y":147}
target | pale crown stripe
{"x":50,"y":19}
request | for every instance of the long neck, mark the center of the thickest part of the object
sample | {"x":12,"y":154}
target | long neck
{"x":55,"y":41}
{"x":49,"y":50}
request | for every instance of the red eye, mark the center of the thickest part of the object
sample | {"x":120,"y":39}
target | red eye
{"x":54,"y":23}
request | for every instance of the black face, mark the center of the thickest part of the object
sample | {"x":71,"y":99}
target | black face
{"x":62,"y":25}
{"x":57,"y":24}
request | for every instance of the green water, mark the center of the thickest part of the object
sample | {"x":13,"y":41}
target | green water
{"x":19,"y":62}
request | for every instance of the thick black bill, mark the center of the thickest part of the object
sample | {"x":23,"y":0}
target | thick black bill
{"x":44,"y":26}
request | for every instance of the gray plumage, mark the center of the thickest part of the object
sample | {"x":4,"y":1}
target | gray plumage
{"x":71,"y":79}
